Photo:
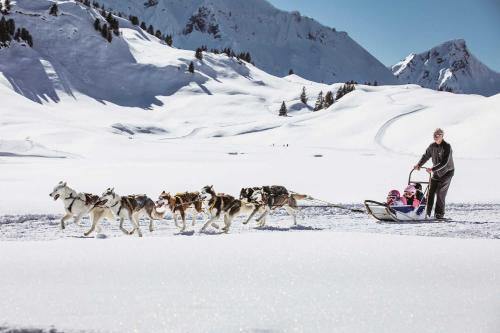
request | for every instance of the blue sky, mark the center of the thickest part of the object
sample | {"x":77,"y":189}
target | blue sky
{"x":392,"y":29}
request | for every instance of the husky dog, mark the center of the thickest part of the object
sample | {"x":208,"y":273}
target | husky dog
{"x":246,"y":194}
{"x":227,"y":205}
{"x":271,"y":193}
{"x":271,"y":197}
{"x":132,"y":207}
{"x":78,"y":205}
{"x":182,"y":202}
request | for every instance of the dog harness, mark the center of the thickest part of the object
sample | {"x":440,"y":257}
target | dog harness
{"x":119,"y":209}
{"x":72,"y":202}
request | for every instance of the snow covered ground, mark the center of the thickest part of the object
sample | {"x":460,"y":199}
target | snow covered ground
{"x":260,"y":282}
{"x":469,"y":221}
{"x":148,"y":126}
{"x":359,"y":149}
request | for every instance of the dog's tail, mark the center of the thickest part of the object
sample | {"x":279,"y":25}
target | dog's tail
{"x":298,"y":196}
{"x":156,"y":214}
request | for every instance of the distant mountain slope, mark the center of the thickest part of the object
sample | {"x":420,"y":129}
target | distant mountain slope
{"x":70,"y":58}
{"x":277,"y":40}
{"x":449,"y":66}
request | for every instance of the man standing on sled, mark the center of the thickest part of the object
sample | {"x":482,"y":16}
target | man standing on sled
{"x":442,"y":172}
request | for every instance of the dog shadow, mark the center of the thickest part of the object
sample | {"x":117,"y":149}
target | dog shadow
{"x":185,"y":233}
{"x":211,"y":233}
{"x":295,"y":227}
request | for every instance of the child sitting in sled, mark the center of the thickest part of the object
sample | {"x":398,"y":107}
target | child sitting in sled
{"x":394,"y":198}
{"x":420,"y":193}
{"x":409,"y":197}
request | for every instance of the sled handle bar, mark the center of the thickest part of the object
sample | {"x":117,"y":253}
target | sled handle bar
{"x":421,"y":182}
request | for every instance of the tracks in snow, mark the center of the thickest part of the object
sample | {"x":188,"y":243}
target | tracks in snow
{"x":379,"y":137}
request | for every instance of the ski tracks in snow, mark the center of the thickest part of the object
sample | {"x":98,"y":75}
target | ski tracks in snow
{"x":379,"y":137}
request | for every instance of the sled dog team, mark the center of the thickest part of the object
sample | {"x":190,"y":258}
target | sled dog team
{"x":110,"y":205}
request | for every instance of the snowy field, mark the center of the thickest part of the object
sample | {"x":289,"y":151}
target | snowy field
{"x":260,"y":282}
{"x":128,"y":115}
{"x":469,"y":221}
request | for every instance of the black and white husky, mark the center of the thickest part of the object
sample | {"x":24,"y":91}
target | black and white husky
{"x":78,"y":204}
{"x":131,"y":207}
{"x":268,"y":198}
{"x":225,"y":205}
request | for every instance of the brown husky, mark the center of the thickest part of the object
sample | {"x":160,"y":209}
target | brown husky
{"x":182,"y":203}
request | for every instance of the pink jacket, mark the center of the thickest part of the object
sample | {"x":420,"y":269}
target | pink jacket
{"x":416,"y":202}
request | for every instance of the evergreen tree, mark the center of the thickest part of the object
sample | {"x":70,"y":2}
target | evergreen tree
{"x":169,"y":40}
{"x":345,"y":89}
{"x":54,"y":10}
{"x":191,"y":67}
{"x":199,"y":54}
{"x":319,"y":102}
{"x":375,"y":83}
{"x":283,"y":110}
{"x":245,"y":56}
{"x":134,"y":20}
{"x":328,"y":100}
{"x":104,"y":31}
{"x":340,"y":92}
{"x":303,"y":96}
{"x":151,"y":30}
{"x":97,"y":24}
{"x":158,"y":34}
{"x":25,"y":35}
{"x":29,"y":40}
{"x":109,"y":37}
{"x":143,"y":26}
{"x":290,"y":72}
{"x":4,"y":32}
{"x":11,"y":26}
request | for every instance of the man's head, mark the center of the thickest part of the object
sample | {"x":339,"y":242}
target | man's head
{"x":438,"y":136}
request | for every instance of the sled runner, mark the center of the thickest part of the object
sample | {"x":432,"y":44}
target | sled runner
{"x":383,"y":212}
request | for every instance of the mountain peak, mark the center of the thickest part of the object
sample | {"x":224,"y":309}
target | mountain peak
{"x":278,"y":41}
{"x":449,"y":66}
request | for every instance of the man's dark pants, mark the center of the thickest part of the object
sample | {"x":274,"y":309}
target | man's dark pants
{"x":439,"y":188}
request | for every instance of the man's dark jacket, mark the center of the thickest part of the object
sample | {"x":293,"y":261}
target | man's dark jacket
{"x":442,"y":158}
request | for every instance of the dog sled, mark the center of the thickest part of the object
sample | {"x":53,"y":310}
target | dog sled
{"x":404,"y":213}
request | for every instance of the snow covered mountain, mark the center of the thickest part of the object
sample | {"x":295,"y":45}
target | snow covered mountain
{"x":277,"y":40}
{"x":450,"y":67}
